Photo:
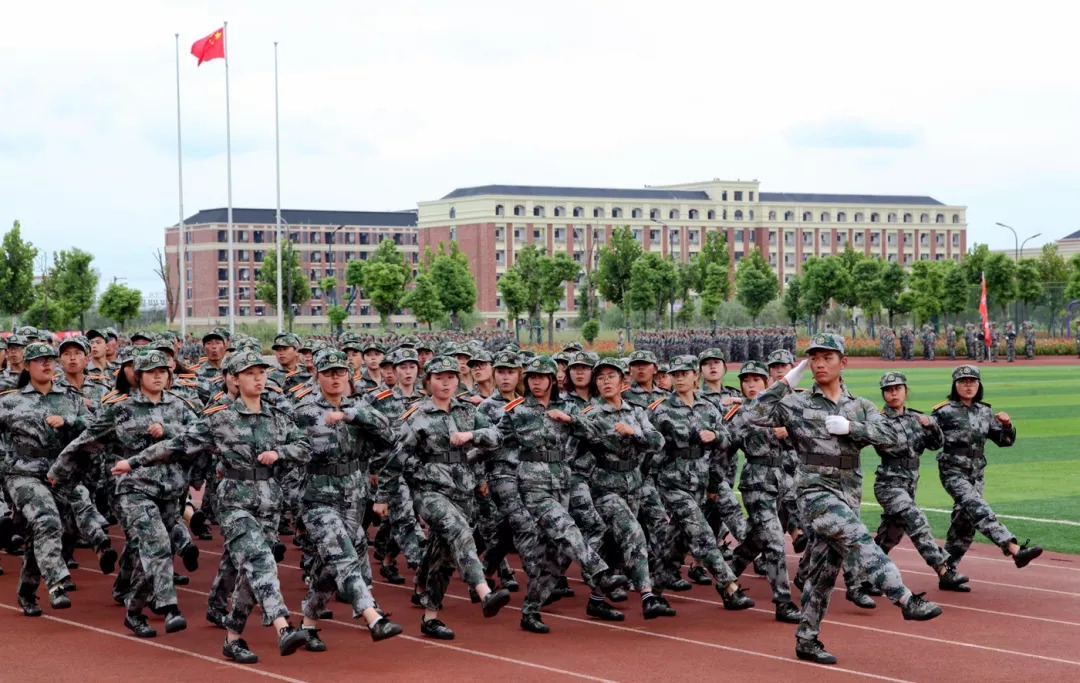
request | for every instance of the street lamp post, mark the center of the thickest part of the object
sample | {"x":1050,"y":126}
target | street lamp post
{"x":1018,"y":247}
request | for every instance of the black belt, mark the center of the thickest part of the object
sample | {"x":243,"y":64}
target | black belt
{"x":615,"y":465}
{"x":36,"y":453}
{"x":341,"y":469}
{"x":964,"y":451}
{"x":691,"y":453}
{"x":770,"y":461}
{"x":844,"y":462}
{"x":910,"y":463}
{"x":250,"y":474}
{"x":454,"y":456}
{"x":541,"y":456}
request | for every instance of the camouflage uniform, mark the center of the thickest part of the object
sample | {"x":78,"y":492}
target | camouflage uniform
{"x":581,"y":506}
{"x":995,"y":343}
{"x":950,"y":342}
{"x":726,"y":506}
{"x":1029,"y":341}
{"x":651,"y":513}
{"x":1010,"y":342}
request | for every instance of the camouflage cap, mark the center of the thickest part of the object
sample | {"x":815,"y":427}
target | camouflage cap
{"x":125,"y":355}
{"x":616,"y":363}
{"x":965,"y":372}
{"x":351,"y":343}
{"x":409,"y":341}
{"x":37,"y":350}
{"x":331,"y":359}
{"x":142,"y":334}
{"x":79,"y":341}
{"x":445,"y":348}
{"x":405,"y":354}
{"x":753,"y":367}
{"x":3,"y":343}
{"x":462,"y":349}
{"x":573,"y":347}
{"x":481,"y":356}
{"x":110,"y":332}
{"x":28,"y":331}
{"x":305,"y":344}
{"x":90,"y":334}
{"x":373,"y":345}
{"x":425,"y":345}
{"x":506,"y":359}
{"x":711,"y":354}
{"x":441,"y":364}
{"x":163,"y":344}
{"x":17,"y":340}
{"x":681,"y":363}
{"x":663,"y":368}
{"x":892,"y":379}
{"x":216,"y":333}
{"x":527,"y":353}
{"x":581,"y":358}
{"x":643,"y":356}
{"x":825,"y":341}
{"x":781,"y":357}
{"x":244,"y":360}
{"x":149,"y":360}
{"x":286,"y":340}
{"x":541,"y":365}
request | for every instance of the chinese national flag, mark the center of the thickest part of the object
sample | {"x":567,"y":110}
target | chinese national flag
{"x":984,"y":313}
{"x":210,"y":47}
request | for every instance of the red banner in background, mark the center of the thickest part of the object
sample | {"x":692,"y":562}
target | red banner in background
{"x":983,"y":313}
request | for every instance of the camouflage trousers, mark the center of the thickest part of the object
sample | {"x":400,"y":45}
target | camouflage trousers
{"x":1029,"y":351}
{"x":1010,"y":351}
{"x":493,"y":533}
{"x":653,"y":519}
{"x":292,"y":488}
{"x":147,"y":523}
{"x":766,"y":534}
{"x":80,"y":518}
{"x":333,"y":531}
{"x":33,"y":499}
{"x":403,"y":524}
{"x":246,"y":526}
{"x":894,"y":488}
{"x":970,"y":512}
{"x":952,"y":351}
{"x":838,"y":534}
{"x":726,"y":507}
{"x":992,"y":353}
{"x":540,"y":563}
{"x":619,"y":512}
{"x":584,"y":514}
{"x":928,"y":352}
{"x":450,"y":545}
{"x":688,"y":530}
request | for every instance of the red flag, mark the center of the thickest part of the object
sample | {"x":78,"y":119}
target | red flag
{"x":983,"y":313}
{"x":210,"y":47}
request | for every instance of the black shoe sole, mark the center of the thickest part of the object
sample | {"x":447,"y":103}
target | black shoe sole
{"x":815,"y":660}
{"x":175,"y":626}
{"x":496,"y":601}
{"x":292,"y":643}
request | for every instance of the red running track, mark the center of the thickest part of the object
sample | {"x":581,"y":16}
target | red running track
{"x":1016,"y":624}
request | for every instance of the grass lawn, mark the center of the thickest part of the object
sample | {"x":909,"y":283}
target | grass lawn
{"x":1037,"y":477}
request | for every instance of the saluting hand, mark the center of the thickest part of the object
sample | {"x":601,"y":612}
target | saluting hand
{"x":334,"y":417}
{"x":1003,"y":418}
{"x":623,"y":429}
{"x":121,"y":467}
{"x":707,"y":436}
{"x":268,"y":457}
{"x":54,"y":421}
{"x":156,"y":430}
{"x":460,"y":438}
{"x":559,"y":416}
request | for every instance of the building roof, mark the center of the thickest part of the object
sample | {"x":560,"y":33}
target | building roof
{"x":814,"y":198}
{"x":1073,"y":236}
{"x":295,"y":217}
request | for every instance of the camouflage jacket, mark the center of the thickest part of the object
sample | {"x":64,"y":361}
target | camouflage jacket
{"x":492,"y":407}
{"x":91,"y":391}
{"x":717,"y":397}
{"x":803,"y":413}
{"x":289,"y":379}
{"x":596,"y":426}
{"x":392,"y":402}
{"x":636,"y":395}
{"x":207,"y":373}
{"x":8,"y":379}
{"x":340,"y":445}
{"x":121,"y":427}
{"x":527,"y":429}
{"x":686,"y":462}
{"x":915,"y":439}
{"x":966,"y":430}
{"x":583,"y":461}
{"x":760,"y":446}
{"x":362,"y":382}
{"x":424,"y":433}
{"x":32,"y":444}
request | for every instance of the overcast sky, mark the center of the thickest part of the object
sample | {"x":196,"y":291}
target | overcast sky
{"x":384,"y":105}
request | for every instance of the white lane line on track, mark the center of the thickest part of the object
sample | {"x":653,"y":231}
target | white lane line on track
{"x":143,"y":641}
{"x":968,"y":558}
{"x":1040,"y":520}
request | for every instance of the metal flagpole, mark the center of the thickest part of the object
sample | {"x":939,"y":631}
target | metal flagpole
{"x":228,"y":155}
{"x":181,"y":233}
{"x":277,"y":161}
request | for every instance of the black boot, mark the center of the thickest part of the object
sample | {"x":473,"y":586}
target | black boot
{"x":384,"y":628}
{"x":495,"y":601}
{"x":532,"y":623}
{"x":29,"y":605}
{"x":58,"y":598}
{"x":238,"y":651}
{"x":655,"y":606}
{"x":391,"y":574}
{"x":174,"y":621}
{"x":138,"y":625}
{"x":759,"y":566}
{"x":953,"y":580}
{"x":799,"y":545}
{"x":699,"y":575}
{"x":736,"y":601}
{"x":617,"y":595}
{"x":198,"y":523}
{"x":813,"y":651}
{"x":290,"y":640}
{"x":788,"y":613}
{"x":436,"y":629}
{"x":107,"y":560}
{"x":919,"y":608}
{"x":679,"y":585}
{"x":861,"y":599}
{"x":1026,"y":554}
{"x":190,"y":556}
{"x":180,"y":579}
{"x":610,"y":581}
{"x":314,"y":642}
{"x":216,"y":617}
{"x":603,"y":611}
{"x":563,"y":588}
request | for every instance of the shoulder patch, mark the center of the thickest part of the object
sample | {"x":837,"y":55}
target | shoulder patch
{"x":271,"y":387}
{"x":625,"y":387}
{"x":217,"y":395}
{"x":731,"y":413}
{"x":384,"y":394}
{"x":188,"y":375}
{"x":187,"y":383}
{"x":9,"y":391}
{"x":410,"y":411}
{"x":654,"y":404}
{"x":294,"y":372}
{"x":513,"y":404}
{"x":368,"y":391}
{"x":799,"y":389}
{"x":305,"y":392}
{"x":587,"y":409}
{"x":109,"y":395}
{"x":882,"y":411}
{"x":116,"y":399}
{"x":298,"y":387}
{"x":940,"y":405}
{"x":189,"y":403}
{"x":215,"y":409}
{"x":203,"y":359}
{"x":985,"y":403}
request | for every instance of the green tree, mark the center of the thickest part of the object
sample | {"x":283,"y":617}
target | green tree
{"x":714,"y":291}
{"x":337,"y":315}
{"x":120,"y":303}
{"x":927,"y":284}
{"x":685,"y":282}
{"x":423,"y":300}
{"x":613,"y":267}
{"x":1029,"y":287}
{"x":665,"y":280}
{"x":848,"y":297}
{"x":822,"y":278}
{"x":755,"y":283}
{"x":713,"y":251}
{"x":529,"y":264}
{"x":1000,"y":281}
{"x":590,"y":331}
{"x":1054,"y":273}
{"x":866,"y":274}
{"x":515,"y":298}
{"x":556,"y":271}
{"x":75,"y":283}
{"x":47,"y":313}
{"x":266,"y":284}
{"x":16,"y":273}
{"x":891,"y":284}
{"x":793,"y":299}
{"x":974,"y":263}
{"x":587,"y":304}
{"x":1072,"y":290}
{"x":354,"y":280}
{"x":454,"y":282}
{"x":955,"y":289}
{"x":384,"y":280}
{"x":641,"y":290}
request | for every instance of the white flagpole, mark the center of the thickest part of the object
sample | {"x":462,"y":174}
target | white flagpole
{"x":181,"y":232}
{"x":277,"y":161}
{"x":228,"y":155}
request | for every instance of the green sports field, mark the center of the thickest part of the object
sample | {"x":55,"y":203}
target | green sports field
{"x":1038,"y":477}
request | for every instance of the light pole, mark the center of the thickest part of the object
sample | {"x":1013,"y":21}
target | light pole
{"x":1018,"y":246}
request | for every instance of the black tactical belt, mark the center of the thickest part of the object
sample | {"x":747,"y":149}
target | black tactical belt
{"x":691,"y":453}
{"x":252,"y":474}
{"x":616,"y":465}
{"x":454,"y":456}
{"x":341,"y":469}
{"x":844,"y":462}
{"x":910,"y":463}
{"x":541,"y":456}
{"x":965,"y":452}
{"x":36,"y":453}
{"x":771,"y":461}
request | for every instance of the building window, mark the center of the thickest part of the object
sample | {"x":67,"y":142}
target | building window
{"x":751,"y":195}
{"x":693,"y":215}
{"x":258,"y":236}
{"x":789,"y":215}
{"x":675,"y":237}
{"x":939,"y":218}
{"x":738,"y":195}
{"x":500,"y":257}
{"x":858,"y":239}
{"x":826,"y":239}
{"x":891,"y":239}
{"x":259,"y":255}
{"x":772,"y":215}
{"x":222,"y":236}
{"x":243,"y":274}
{"x":924,"y":218}
{"x":222,"y":255}
{"x":654,"y":214}
{"x":560,"y":211}
{"x":579,"y":235}
{"x":453,"y":212}
{"x":751,"y":214}
{"x":673,"y":214}
{"x":723,"y":215}
{"x":892,"y":217}
{"x":519,"y":210}
{"x":579,"y":212}
{"x":517,"y":234}
{"x":453,"y":233}
{"x":825,"y":217}
{"x":875,"y":218}
{"x":499,"y":210}
{"x":875,"y":239}
{"x":598,"y":212}
{"x":222,"y":292}
{"x":738,"y":215}
{"x":908,"y":218}
{"x":858,"y":218}
{"x":559,"y":235}
{"x":537,"y":235}
{"x":789,"y":239}
{"x":956,"y":218}
{"x":222,"y":311}
{"x":635,"y":213}
{"x":222,"y":274}
{"x":841,"y":217}
{"x":538,"y":211}
{"x":499,"y":235}
{"x":711,"y":215}
{"x":841,"y":239}
{"x":807,"y":238}
{"x":738,"y":236}
{"x":242,"y":236}
{"x":241,"y":254}
{"x":807,"y":217}
{"x":723,"y":196}
{"x":616,"y":212}
{"x":243,"y":311}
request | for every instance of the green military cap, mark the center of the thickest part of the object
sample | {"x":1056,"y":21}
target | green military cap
{"x":680,"y":363}
{"x":79,"y":341}
{"x":246,"y":359}
{"x":480,"y":356}
{"x":149,"y":360}
{"x":141,"y":334}
{"x":663,"y":368}
{"x":825,"y":341}
{"x":216,"y":333}
{"x":110,"y":332}
{"x":527,"y":353}
{"x":28,"y":331}
{"x":125,"y":355}
{"x":409,"y":341}
{"x":305,"y":344}
{"x":286,"y":340}
{"x":965,"y":371}
{"x":331,"y":359}
{"x":441,"y":364}
{"x":162,"y":344}
{"x":754,"y":367}
{"x":90,"y":334}
{"x":541,"y":365}
{"x":506,"y":359}
{"x":445,"y":348}
{"x":616,"y":363}
{"x":573,"y":347}
{"x":781,"y":357}
{"x":462,"y":350}
{"x":642,"y":356}
{"x":561,"y":357}
{"x":425,"y":345}
{"x":405,"y":354}
{"x":581,"y":358}
{"x":374,"y":345}
{"x":892,"y":379}
{"x":711,"y":354}
{"x":37,"y":350}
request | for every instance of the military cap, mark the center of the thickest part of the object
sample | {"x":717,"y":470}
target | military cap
{"x":408,"y":342}
{"x":78,"y":340}
{"x":37,"y":350}
{"x":561,"y":356}
{"x":243,"y":360}
{"x":480,"y":356}
{"x":373,"y":345}
{"x":29,"y":331}
{"x":90,"y":334}
{"x":616,"y":363}
{"x":753,"y":367}
{"x":141,"y":334}
{"x":781,"y":357}
{"x":305,"y":344}
{"x":462,"y":350}
{"x":527,"y":353}
{"x":892,"y":379}
{"x":643,"y":356}
{"x":573,"y":347}
{"x":711,"y":354}
{"x":541,"y":365}
{"x":286,"y":340}
{"x":331,"y":359}
{"x":162,"y":344}
{"x":445,"y":348}
{"x":686,"y":362}
{"x":405,"y":354}
{"x":825,"y":341}
{"x":125,"y":355}
{"x":424,"y":345}
{"x":663,"y":368}
{"x":111,"y":332}
{"x":216,"y":333}
{"x":581,"y":358}
{"x":506,"y":359}
{"x":149,"y":360}
{"x":441,"y":364}
{"x":966,"y":371}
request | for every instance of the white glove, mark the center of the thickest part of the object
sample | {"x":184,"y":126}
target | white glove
{"x":794,"y":375}
{"x":838,"y":425}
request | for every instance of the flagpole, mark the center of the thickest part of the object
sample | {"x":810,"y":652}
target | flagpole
{"x":181,"y":234}
{"x":228,"y":156}
{"x":277,"y":162}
